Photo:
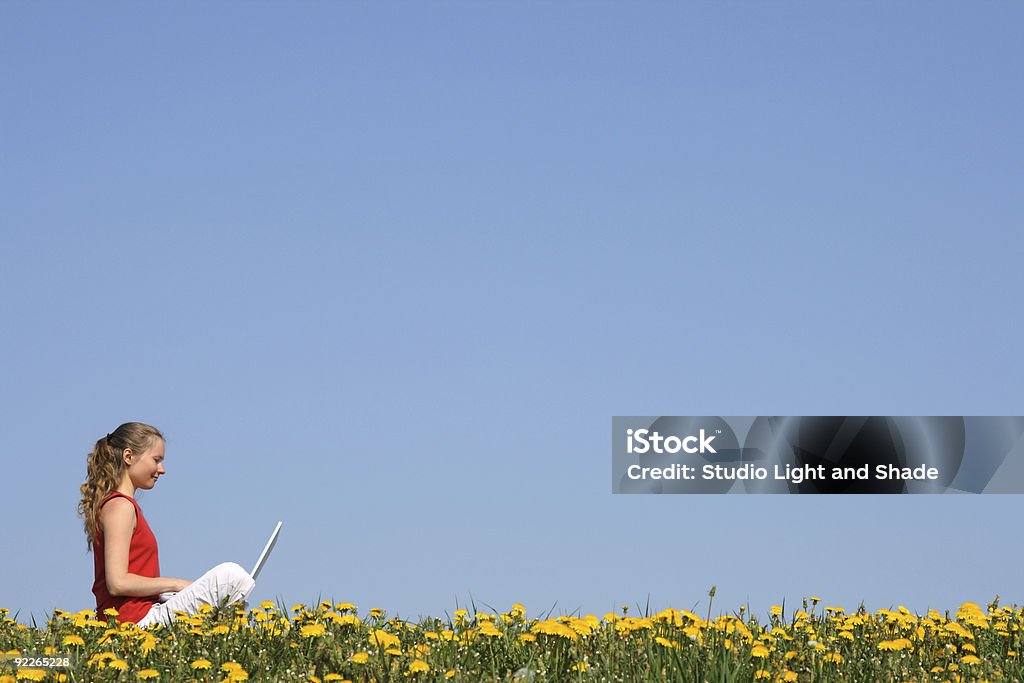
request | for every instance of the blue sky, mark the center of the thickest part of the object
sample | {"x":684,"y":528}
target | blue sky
{"x":386,"y":272}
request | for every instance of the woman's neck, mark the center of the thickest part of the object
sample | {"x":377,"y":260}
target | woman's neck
{"x":126,"y":487}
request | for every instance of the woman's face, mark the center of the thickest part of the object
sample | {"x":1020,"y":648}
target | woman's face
{"x":144,"y":468}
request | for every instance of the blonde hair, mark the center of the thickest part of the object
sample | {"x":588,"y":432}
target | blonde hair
{"x":106,"y":468}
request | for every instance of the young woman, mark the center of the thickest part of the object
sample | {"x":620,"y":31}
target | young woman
{"x":126,"y":558}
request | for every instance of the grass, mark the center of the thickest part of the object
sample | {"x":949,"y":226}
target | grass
{"x":332,"y":642}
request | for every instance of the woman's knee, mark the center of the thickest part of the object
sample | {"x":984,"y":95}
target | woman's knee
{"x":233,"y":574}
{"x":230,"y":568}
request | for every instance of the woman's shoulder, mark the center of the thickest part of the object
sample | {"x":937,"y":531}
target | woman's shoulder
{"x":118,"y":503}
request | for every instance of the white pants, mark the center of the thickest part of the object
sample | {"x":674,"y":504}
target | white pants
{"x":227,"y":582}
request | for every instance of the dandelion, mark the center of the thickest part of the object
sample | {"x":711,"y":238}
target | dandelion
{"x":31,"y":674}
{"x":376,"y":613}
{"x":201,"y":664}
{"x":359,"y":658}
{"x":118,"y":664}
{"x":418,"y":666}
{"x":267,"y":605}
{"x":384,"y":639}
{"x":759,"y":651}
{"x":579,"y":666}
{"x":312,"y":630}
{"x":147,"y":674}
{"x":332,"y":677}
{"x":73,"y":640}
{"x":897,"y":644}
{"x":345,"y":607}
{"x":488,"y":629}
{"x":970,"y":659}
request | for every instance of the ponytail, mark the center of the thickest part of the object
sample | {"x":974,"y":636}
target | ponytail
{"x":106,"y":467}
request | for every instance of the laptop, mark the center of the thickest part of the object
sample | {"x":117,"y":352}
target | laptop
{"x":256,"y":569}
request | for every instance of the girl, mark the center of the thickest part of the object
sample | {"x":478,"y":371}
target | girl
{"x":124,"y":548}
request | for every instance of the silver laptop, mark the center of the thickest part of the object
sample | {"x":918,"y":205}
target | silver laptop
{"x":256,"y":569}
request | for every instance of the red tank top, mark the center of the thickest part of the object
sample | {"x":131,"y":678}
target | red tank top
{"x":143,"y":559}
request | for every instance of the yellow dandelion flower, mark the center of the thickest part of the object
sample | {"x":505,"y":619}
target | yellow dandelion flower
{"x":450,"y":673}
{"x":527,"y":638}
{"x":313,"y":679}
{"x":579,"y":666}
{"x":238,"y":675}
{"x":147,"y":674}
{"x":118,"y":664}
{"x":418,"y":666}
{"x":488,"y":629}
{"x":31,"y":674}
{"x":552,"y":627}
{"x":148,"y":643}
{"x":384,"y":639}
{"x":834,"y":657}
{"x":345,"y":607}
{"x":359,"y":658}
{"x":397,"y":652}
{"x":376,"y":612}
{"x":776,"y":610}
{"x":299,"y":607}
{"x":205,"y":608}
{"x":897,"y":644}
{"x":73,"y":640}
{"x":230,"y":666}
{"x":759,"y":651}
{"x":313,"y":630}
{"x":220,"y":630}
{"x":201,"y":664}
{"x":333,"y":677}
{"x":267,"y":605}
{"x":970,"y":659}
{"x":762,"y":674}
{"x":789,"y":676}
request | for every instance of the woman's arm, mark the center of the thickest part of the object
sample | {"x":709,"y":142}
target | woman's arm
{"x":117,"y":517}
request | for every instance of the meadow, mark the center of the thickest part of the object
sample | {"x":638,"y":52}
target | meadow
{"x":332,"y":642}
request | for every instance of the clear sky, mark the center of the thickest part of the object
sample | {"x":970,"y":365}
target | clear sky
{"x":386,"y":272}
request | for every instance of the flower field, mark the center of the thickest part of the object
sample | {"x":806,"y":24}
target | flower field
{"x":332,"y":642}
